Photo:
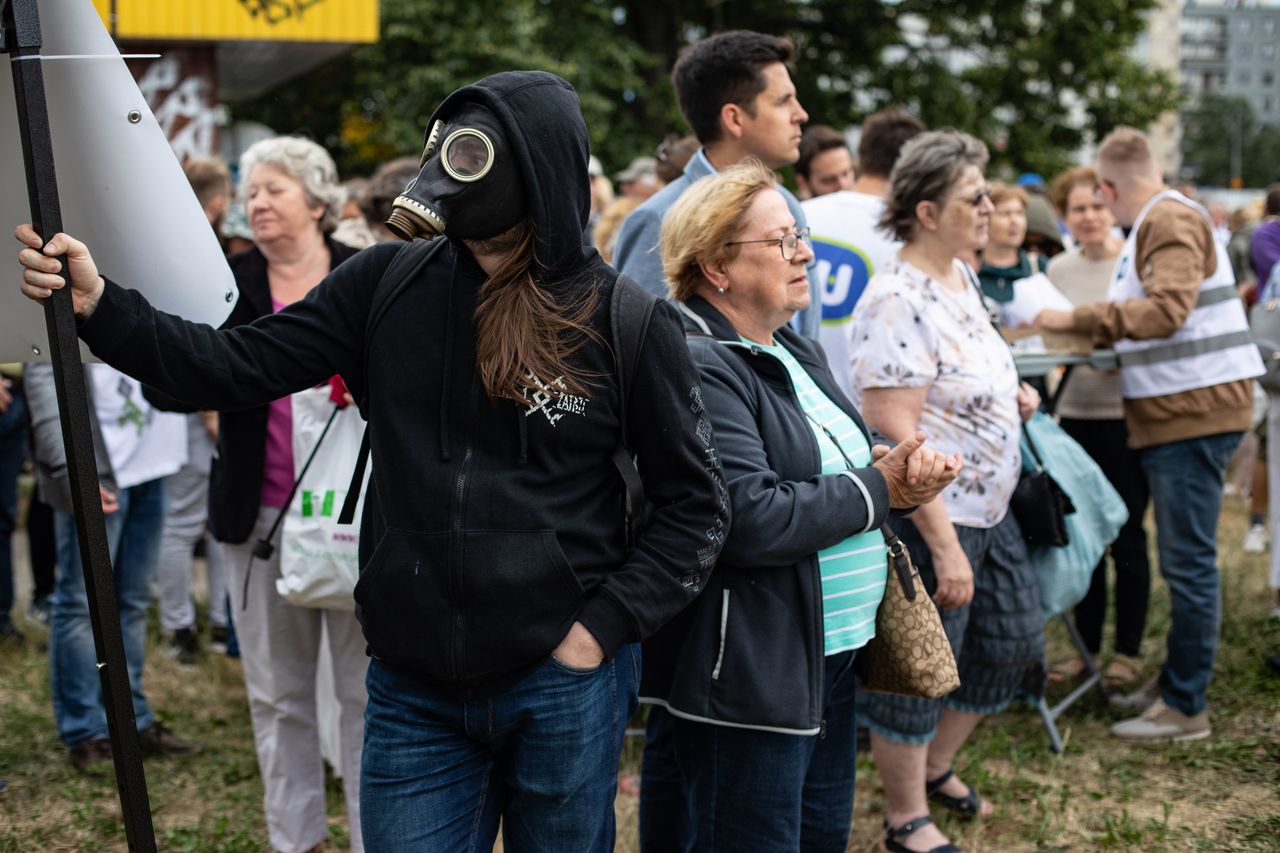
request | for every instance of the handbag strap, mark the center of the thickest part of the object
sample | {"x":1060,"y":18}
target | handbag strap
{"x":899,"y":559}
{"x":900,"y":562}
{"x":1031,"y":445}
{"x":973,"y":282}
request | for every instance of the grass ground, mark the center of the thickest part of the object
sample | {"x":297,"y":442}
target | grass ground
{"x":1100,"y":794}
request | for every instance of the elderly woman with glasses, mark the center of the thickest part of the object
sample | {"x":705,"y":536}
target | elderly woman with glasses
{"x":761,"y":682}
{"x":927,"y":357}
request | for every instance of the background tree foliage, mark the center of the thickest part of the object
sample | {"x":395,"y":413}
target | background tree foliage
{"x":1214,"y":127}
{"x":1036,"y":79}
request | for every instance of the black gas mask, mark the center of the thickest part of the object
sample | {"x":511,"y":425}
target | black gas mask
{"x":469,"y":187}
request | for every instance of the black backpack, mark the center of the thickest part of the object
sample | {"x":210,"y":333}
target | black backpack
{"x":630,"y":308}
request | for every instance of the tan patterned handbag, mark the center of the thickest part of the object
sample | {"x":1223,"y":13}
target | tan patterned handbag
{"x":910,"y":654}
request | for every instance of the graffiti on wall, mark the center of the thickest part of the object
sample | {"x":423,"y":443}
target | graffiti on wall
{"x":181,"y":105}
{"x":277,"y":11}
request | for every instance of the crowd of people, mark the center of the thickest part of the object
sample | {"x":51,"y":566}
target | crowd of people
{"x":815,"y":374}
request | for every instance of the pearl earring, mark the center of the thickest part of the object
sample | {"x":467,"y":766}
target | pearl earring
{"x":720,"y":289}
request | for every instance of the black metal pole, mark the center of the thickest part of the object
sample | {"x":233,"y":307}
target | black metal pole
{"x":22,"y":41}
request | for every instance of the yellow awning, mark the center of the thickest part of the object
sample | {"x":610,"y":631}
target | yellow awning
{"x":348,"y":21}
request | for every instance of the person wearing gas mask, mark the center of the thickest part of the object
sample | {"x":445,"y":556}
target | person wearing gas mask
{"x":499,"y":602}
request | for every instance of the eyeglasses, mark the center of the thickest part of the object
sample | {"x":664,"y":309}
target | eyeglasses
{"x":788,"y":243}
{"x":977,"y":198}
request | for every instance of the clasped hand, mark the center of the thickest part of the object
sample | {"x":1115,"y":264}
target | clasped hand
{"x":915,"y":474}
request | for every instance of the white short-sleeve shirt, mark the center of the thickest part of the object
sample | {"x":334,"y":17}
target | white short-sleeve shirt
{"x":911,"y":332}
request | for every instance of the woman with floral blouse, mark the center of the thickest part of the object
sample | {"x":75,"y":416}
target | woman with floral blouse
{"x":926,"y":356}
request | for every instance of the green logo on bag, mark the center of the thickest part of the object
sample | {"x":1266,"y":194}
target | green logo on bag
{"x":326,"y":503}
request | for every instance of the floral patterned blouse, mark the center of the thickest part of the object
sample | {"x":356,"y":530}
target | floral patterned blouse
{"x":911,"y":332}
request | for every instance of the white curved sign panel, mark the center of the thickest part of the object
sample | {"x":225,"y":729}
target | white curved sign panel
{"x":122,"y":190}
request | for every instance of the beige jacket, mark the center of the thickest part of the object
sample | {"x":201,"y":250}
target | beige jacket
{"x":1175,"y":254}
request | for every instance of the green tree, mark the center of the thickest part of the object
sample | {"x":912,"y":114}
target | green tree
{"x":1036,"y":79}
{"x":1220,"y":128}
{"x":374,"y":105}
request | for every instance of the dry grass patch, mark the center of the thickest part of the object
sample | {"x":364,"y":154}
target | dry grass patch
{"x":1100,"y":794}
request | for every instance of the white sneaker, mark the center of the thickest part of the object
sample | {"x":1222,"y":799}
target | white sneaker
{"x":1255,"y":539}
{"x":1160,"y":722}
{"x":1141,"y":699}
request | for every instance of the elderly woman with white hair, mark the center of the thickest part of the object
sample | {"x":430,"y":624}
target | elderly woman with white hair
{"x":293,"y":202}
{"x":927,"y":357}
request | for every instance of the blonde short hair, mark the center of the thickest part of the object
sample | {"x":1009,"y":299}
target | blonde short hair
{"x":1000,"y":193}
{"x":1127,"y":149}
{"x":707,"y":216}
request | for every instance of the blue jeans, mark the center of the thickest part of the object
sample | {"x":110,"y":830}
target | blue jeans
{"x":666,"y":825}
{"x":1186,"y":487}
{"x":13,"y":442}
{"x":757,"y":790}
{"x":439,"y":772}
{"x":133,"y":537}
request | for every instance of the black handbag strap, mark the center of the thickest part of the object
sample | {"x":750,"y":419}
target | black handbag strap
{"x":900,"y":562}
{"x":973,"y":282}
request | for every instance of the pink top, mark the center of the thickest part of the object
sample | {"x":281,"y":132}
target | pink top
{"x":277,"y":471}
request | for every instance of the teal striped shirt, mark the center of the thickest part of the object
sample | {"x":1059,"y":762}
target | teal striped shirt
{"x":853,"y":571}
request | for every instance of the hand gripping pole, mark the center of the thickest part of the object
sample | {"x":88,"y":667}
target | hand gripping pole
{"x":22,"y":40}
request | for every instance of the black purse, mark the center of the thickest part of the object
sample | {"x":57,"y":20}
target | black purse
{"x":1040,"y":504}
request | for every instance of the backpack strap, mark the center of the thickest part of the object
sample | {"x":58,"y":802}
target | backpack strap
{"x":630,"y":309}
{"x":348,"y":512}
{"x":404,"y":268}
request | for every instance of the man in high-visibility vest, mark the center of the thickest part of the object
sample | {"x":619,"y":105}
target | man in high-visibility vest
{"x":1187,"y":364}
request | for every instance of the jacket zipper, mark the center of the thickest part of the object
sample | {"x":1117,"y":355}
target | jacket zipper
{"x":819,"y":639}
{"x":455,"y":560}
{"x":724,"y":626}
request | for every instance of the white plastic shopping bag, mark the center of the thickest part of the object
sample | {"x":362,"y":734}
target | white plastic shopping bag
{"x":318,"y":557}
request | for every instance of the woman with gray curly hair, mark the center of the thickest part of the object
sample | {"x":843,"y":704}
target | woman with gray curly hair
{"x":293,"y":202}
{"x":927,"y":357}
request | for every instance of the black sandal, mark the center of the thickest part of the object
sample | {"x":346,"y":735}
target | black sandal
{"x":892,"y":834}
{"x":969,"y":806}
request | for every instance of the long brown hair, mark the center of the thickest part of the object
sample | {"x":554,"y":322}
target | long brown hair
{"x":522,"y":329}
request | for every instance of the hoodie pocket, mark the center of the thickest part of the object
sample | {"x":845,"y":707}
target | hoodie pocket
{"x":405,"y":604}
{"x":519,"y":599}
{"x":503,"y":599}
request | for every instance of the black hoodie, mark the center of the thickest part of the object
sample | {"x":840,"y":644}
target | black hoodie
{"x":489,"y":527}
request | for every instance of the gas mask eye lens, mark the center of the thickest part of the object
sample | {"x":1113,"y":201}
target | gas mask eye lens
{"x":467,"y":154}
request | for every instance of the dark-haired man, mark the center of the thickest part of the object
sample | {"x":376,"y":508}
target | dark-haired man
{"x":825,"y":164}
{"x":847,"y":242}
{"x":736,"y":94}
